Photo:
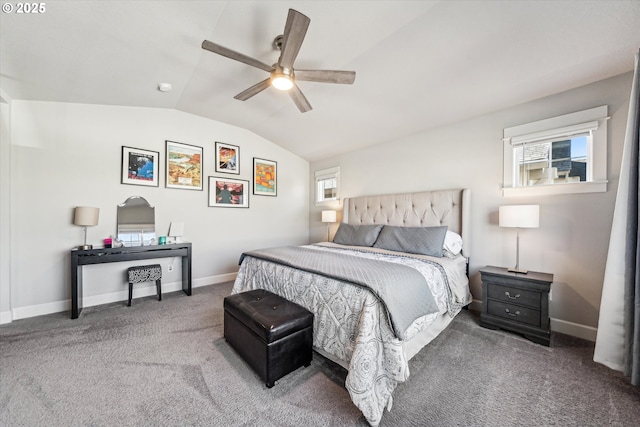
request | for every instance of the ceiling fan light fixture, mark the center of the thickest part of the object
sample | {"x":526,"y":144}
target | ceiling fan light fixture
{"x":281,"y":82}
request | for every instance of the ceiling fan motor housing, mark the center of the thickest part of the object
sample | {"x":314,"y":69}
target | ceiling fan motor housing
{"x":277,"y":42}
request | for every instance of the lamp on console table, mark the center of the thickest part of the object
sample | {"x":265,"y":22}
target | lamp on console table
{"x":328,"y":217}
{"x":176,"y":230}
{"x":86,"y":217}
{"x":519,"y":216}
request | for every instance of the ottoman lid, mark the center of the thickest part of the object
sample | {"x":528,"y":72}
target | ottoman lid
{"x":269,"y":315}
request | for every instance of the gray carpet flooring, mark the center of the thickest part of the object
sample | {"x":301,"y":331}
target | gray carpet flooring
{"x":167,"y":364}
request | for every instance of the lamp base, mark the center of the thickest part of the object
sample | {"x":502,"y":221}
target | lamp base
{"x":517,"y":270}
{"x":85,"y":247}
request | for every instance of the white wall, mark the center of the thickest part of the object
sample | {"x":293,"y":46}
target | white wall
{"x":574,"y":229}
{"x":67,"y":155}
{"x":5,"y":209}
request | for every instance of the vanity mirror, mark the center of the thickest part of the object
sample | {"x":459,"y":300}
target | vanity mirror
{"x":136,"y":222}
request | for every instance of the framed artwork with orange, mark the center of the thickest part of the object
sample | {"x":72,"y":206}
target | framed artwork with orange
{"x":184,"y":166}
{"x":265,"y":177}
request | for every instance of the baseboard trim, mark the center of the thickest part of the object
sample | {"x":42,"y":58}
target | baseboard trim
{"x":90,"y":301}
{"x":5,"y":317}
{"x":40,"y":309}
{"x":574,"y":329}
{"x":557,"y":325}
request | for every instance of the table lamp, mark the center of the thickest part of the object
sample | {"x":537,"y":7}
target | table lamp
{"x":519,"y":216}
{"x":328,"y":217}
{"x":86,"y":217}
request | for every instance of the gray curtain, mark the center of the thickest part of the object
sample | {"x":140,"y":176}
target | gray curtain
{"x":618,"y":339}
{"x":632,"y":250}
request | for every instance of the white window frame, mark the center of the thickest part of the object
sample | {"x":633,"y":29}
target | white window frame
{"x":324,"y":174}
{"x":593,"y":121}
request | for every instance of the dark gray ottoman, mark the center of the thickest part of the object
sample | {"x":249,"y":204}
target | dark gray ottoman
{"x":273,"y":335}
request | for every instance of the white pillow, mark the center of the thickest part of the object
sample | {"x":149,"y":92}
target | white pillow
{"x":452,"y":244}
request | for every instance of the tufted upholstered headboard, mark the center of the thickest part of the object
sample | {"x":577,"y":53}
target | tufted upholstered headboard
{"x":425,"y":209}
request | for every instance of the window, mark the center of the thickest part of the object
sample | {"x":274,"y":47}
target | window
{"x":552,"y":162}
{"x":564,"y":154}
{"x":327,"y":185}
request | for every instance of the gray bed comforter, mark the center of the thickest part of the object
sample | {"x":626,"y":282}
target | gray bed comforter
{"x":351,"y":324}
{"x":402,"y":289}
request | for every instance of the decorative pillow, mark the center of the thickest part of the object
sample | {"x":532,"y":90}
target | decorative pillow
{"x":414,"y":240}
{"x":357,"y":235}
{"x":452,"y":244}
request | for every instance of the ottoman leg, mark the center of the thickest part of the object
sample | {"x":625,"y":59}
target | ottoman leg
{"x":130,"y":294}
{"x":159,"y":289}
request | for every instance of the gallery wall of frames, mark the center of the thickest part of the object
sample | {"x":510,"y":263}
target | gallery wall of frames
{"x":185,"y":166}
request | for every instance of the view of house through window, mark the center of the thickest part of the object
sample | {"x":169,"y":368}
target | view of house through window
{"x":553,"y":162}
{"x":327,"y":188}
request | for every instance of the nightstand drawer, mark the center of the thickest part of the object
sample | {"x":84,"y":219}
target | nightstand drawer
{"x":514,"y":295}
{"x":514,"y":312}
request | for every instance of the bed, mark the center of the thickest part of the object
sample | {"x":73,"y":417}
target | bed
{"x":373,"y":330}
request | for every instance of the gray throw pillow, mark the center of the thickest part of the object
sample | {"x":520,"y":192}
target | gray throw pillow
{"x":357,"y":235}
{"x":414,"y":240}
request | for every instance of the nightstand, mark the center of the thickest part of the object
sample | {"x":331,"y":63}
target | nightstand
{"x":516,"y":302}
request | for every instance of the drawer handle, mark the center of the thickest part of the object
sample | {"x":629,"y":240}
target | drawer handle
{"x":517,"y":313}
{"x":510,"y":297}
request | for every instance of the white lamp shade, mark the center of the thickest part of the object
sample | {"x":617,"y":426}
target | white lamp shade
{"x":176,"y":229}
{"x":328,"y":216}
{"x":86,"y":216}
{"x":520,"y":216}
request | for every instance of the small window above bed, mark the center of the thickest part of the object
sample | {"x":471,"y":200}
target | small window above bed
{"x":327,"y":186}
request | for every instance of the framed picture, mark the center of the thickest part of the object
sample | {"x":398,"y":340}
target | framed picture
{"x":227,"y":158}
{"x":228,"y":192}
{"x":184,"y":166}
{"x":265,"y":177}
{"x":140,"y":167}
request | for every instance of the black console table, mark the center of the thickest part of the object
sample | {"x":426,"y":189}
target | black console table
{"x":106,"y":255}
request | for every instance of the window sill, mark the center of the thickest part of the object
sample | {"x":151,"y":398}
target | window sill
{"x":329,"y":202}
{"x":550,"y":190}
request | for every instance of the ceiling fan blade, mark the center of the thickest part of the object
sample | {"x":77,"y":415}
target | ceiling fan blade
{"x":294,"y":31}
{"x":253,"y":90}
{"x":299,"y":99}
{"x":326,"y":76}
{"x":232,"y":54}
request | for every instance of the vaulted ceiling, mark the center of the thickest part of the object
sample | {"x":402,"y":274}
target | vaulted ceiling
{"x":419,"y":64}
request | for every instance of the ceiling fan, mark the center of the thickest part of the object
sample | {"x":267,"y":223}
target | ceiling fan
{"x":282,"y":73}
